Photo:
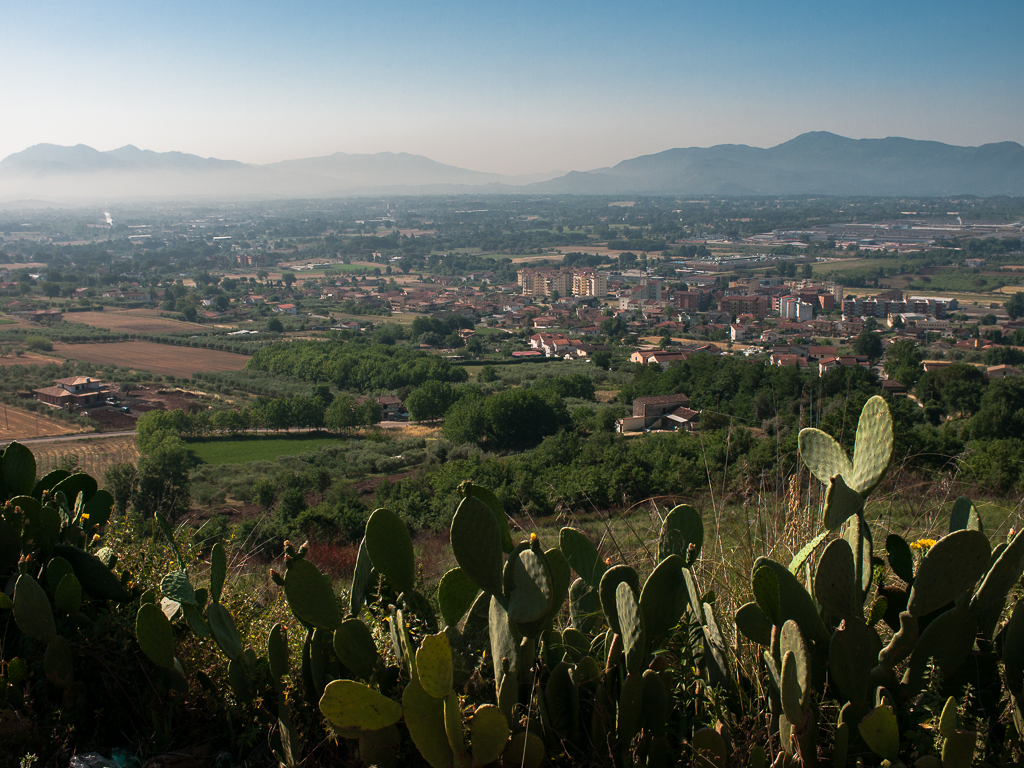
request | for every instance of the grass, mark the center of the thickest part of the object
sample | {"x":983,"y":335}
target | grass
{"x":240,"y":450}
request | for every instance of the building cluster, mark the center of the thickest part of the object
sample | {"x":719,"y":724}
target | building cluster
{"x":894,"y":303}
{"x":543,"y":283}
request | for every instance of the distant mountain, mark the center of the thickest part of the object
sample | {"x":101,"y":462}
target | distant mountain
{"x":813,"y":163}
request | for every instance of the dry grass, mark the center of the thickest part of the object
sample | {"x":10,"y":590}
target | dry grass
{"x":132,"y":321}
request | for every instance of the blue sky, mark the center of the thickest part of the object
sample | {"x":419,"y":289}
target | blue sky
{"x":517,"y":87}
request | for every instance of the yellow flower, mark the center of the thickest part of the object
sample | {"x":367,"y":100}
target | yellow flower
{"x":85,"y":516}
{"x":533,"y":538}
{"x":923,"y":544}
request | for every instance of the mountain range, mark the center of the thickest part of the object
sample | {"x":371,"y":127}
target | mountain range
{"x":812,"y":163}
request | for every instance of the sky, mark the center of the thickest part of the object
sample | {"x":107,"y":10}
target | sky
{"x":512,"y":87}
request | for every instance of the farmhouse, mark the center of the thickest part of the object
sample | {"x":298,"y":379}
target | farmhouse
{"x":73,"y":392}
{"x":660,"y":412}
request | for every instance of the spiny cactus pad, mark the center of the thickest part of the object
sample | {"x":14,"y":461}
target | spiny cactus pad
{"x":277,"y":655}
{"x":434,"y":665}
{"x":988,"y":602}
{"x":823,"y":456}
{"x":19,"y":469}
{"x":155,"y":636}
{"x":947,"y":642}
{"x":348,"y":704}
{"x":468,"y":488}
{"x":310,"y":595}
{"x":389,"y":546}
{"x":476,"y":543}
{"x":873,"y":448}
{"x":795,"y":603}
{"x":177,"y":587}
{"x":682,"y":533}
{"x":951,"y":567}
{"x":582,"y":556}
{"x":631,"y":622}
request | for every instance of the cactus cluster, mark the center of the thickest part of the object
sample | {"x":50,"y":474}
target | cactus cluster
{"x":822,"y":633}
{"x":51,"y":563}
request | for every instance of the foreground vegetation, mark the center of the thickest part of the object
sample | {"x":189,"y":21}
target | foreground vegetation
{"x":702,"y":647}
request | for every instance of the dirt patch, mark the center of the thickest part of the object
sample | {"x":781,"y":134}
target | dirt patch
{"x":163,"y":359}
{"x":18,"y":425}
{"x":27,"y":359}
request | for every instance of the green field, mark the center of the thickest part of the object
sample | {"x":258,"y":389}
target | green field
{"x":239,"y":450}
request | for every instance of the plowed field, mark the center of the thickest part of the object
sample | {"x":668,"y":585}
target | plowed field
{"x":155,"y":358}
{"x":131,"y":321}
{"x":17,"y":425}
{"x":95,"y":456}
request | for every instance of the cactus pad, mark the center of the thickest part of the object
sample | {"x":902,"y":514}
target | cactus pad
{"x":531,"y":597}
{"x":434,"y":665}
{"x":468,"y":488}
{"x":609,"y":584}
{"x":177,"y":587}
{"x":823,"y":456}
{"x":476,"y":544}
{"x":19,"y":469}
{"x":987,"y":603}
{"x":631,"y":622}
{"x":795,"y":603}
{"x":354,"y":646}
{"x":218,"y":571}
{"x":766,"y":594}
{"x":488,"y":734}
{"x":881,"y":732}
{"x":456,"y":593}
{"x":222,"y":626}
{"x":835,"y":581}
{"x":95,"y":577}
{"x":947,"y":641}
{"x":424,"y":717}
{"x":753,"y":624}
{"x":360,"y":580}
{"x":964,"y":516}
{"x":950,"y":568}
{"x":380,"y":748}
{"x":709,"y":748}
{"x":348,"y":704}
{"x":310,"y":595}
{"x":873,"y":448}
{"x":562,"y":701}
{"x":682,"y":533}
{"x":277,"y":655}
{"x":901,"y":559}
{"x":56,"y":570}
{"x":389,"y":546}
{"x":58,"y":663}
{"x":155,"y":636}
{"x":32,"y":610}
{"x":524,"y":750}
{"x":68,"y":595}
{"x":841,"y":503}
{"x":582,"y":556}
{"x":662,"y":599}
{"x":584,"y":606}
{"x":853,"y":653}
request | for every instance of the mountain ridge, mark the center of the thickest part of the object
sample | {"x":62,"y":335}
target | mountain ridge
{"x":816,"y":162}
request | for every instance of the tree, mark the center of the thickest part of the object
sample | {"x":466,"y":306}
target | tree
{"x":431,"y":401}
{"x":341,"y":414}
{"x":163,"y":476}
{"x":487,"y":374}
{"x":903,"y":362}
{"x":1015,"y":305}
{"x":602,"y":359}
{"x":289,"y":279}
{"x":869,"y":344}
{"x":274,"y":325}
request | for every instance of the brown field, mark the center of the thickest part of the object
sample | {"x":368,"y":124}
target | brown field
{"x":94,"y":456}
{"x":132,"y":321}
{"x":17,"y":425}
{"x":155,"y":358}
{"x":27,"y":358}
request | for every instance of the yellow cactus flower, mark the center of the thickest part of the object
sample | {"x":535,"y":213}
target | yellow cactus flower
{"x":923,"y":544}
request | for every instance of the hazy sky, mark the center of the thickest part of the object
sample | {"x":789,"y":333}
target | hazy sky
{"x":515,"y":87}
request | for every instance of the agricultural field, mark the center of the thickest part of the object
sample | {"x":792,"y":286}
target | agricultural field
{"x":163,"y":359}
{"x":18,"y":425}
{"x":239,"y":450}
{"x":132,"y":321}
{"x":26,"y":358}
{"x":93,"y":455}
